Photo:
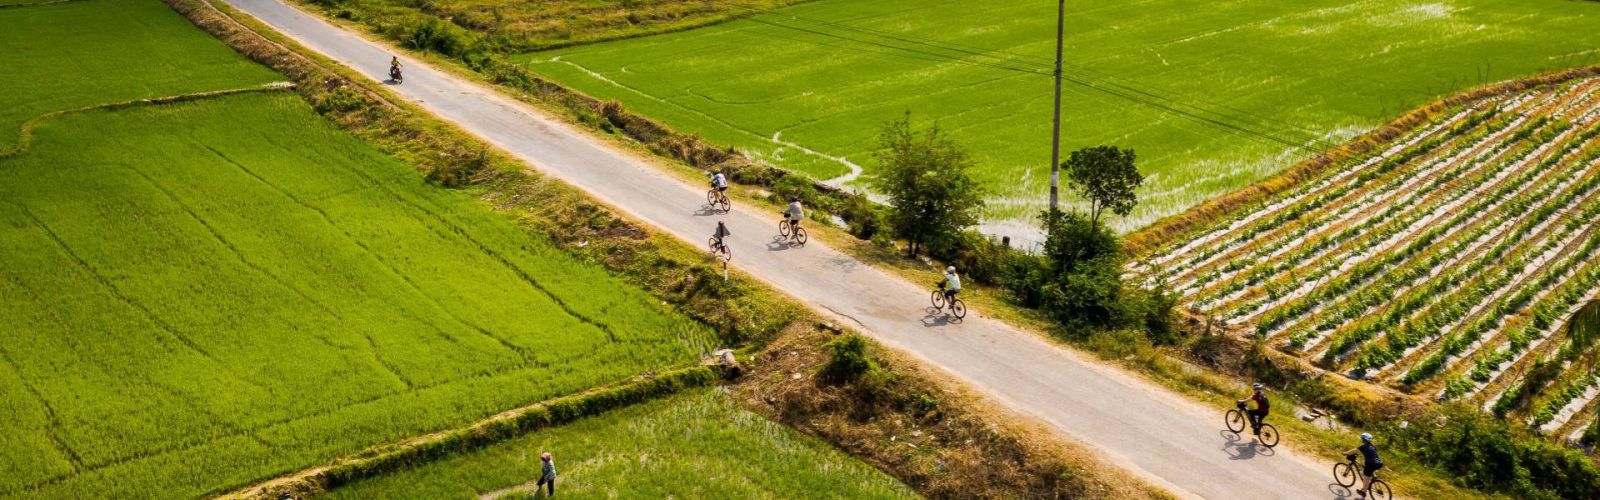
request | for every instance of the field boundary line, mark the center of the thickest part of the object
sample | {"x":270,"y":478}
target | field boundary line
{"x":385,"y":458}
{"x":1144,"y":242}
{"x":25,"y":137}
{"x":36,"y":4}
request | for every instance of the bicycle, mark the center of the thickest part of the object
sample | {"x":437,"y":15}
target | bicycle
{"x":719,"y":249}
{"x":1347,"y":473}
{"x":1236,"y":420}
{"x":784,"y":228}
{"x":957,"y":307}
{"x":718,"y":200}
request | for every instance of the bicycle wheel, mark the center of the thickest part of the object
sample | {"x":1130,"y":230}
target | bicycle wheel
{"x":958,"y":308}
{"x":724,"y":204}
{"x":1235,"y":421}
{"x":711,"y":197}
{"x":1380,"y":490}
{"x":1268,"y":435}
{"x":938,"y":299}
{"x":783,"y":228}
{"x":1344,"y":474}
{"x":800,"y":235}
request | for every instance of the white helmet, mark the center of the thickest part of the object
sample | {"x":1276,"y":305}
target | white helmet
{"x":1258,"y":386}
{"x":1366,"y":438}
{"x":950,"y":269}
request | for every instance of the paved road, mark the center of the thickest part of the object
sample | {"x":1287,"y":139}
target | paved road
{"x":1172,"y":441}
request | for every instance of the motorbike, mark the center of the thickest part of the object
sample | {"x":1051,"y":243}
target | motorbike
{"x":394,"y":74}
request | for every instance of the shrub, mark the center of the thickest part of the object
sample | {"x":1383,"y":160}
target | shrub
{"x":341,"y":100}
{"x":1086,"y":298}
{"x":432,"y":34}
{"x":1490,"y":454}
{"x":850,"y":359}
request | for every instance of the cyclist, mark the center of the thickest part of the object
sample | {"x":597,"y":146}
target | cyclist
{"x":721,"y":233}
{"x":793,"y":214}
{"x":951,"y":284}
{"x":394,"y":67}
{"x":720,"y":182}
{"x":1259,"y":413}
{"x":1370,"y":462}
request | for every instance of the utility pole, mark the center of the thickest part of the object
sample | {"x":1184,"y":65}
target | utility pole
{"x":1055,"y":136}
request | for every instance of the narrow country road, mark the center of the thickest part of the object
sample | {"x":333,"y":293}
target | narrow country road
{"x":1176,"y":443}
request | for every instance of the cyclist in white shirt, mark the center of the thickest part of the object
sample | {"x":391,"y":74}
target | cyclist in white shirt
{"x":793,"y":214}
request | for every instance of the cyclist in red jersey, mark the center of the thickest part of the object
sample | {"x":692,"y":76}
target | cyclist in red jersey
{"x":1259,"y":413}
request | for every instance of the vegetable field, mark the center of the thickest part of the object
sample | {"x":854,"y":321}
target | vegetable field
{"x":1445,"y":264}
{"x":807,"y":86}
{"x":695,"y":445}
{"x":203,"y":294}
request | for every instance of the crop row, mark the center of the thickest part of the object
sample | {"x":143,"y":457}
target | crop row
{"x":1446,"y":264}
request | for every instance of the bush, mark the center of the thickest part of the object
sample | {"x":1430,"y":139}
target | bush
{"x":850,"y":359}
{"x":341,"y":100}
{"x":1152,"y":309}
{"x":1486,"y":453}
{"x":1086,"y":298}
{"x":432,"y":34}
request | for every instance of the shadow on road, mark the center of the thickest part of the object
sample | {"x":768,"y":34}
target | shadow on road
{"x":937,"y":317}
{"x":1239,"y":448}
{"x":706,"y":211}
{"x":779,"y":243}
{"x":1340,"y":491}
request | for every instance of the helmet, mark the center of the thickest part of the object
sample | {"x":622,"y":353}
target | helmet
{"x":794,"y":198}
{"x":1258,"y":386}
{"x":950,"y":269}
{"x":1366,"y":438}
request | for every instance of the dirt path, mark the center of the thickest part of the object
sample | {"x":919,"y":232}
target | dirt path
{"x":1176,"y":443}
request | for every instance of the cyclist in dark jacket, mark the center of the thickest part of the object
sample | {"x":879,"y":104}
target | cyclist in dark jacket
{"x":1370,"y":462}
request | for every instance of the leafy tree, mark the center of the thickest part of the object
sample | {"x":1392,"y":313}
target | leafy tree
{"x":1107,"y":177}
{"x":927,"y":178}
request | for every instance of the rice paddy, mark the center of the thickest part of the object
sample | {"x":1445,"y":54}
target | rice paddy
{"x":208,"y":293}
{"x":805,"y":87}
{"x":695,"y":445}
{"x":1445,"y":264}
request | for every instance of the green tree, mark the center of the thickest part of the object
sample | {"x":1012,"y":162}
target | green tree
{"x":1107,"y":177}
{"x":927,"y":177}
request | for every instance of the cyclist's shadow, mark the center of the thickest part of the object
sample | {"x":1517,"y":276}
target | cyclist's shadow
{"x":779,"y":243}
{"x":936,"y":318}
{"x":706,"y":211}
{"x":1238,"y":447}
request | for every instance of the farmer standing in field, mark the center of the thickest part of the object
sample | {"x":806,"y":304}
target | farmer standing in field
{"x":547,"y":474}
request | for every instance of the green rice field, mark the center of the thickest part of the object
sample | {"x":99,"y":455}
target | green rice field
{"x":806,"y":86}
{"x":64,"y":56}
{"x":215,"y":291}
{"x":205,"y":294}
{"x":695,"y":445}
